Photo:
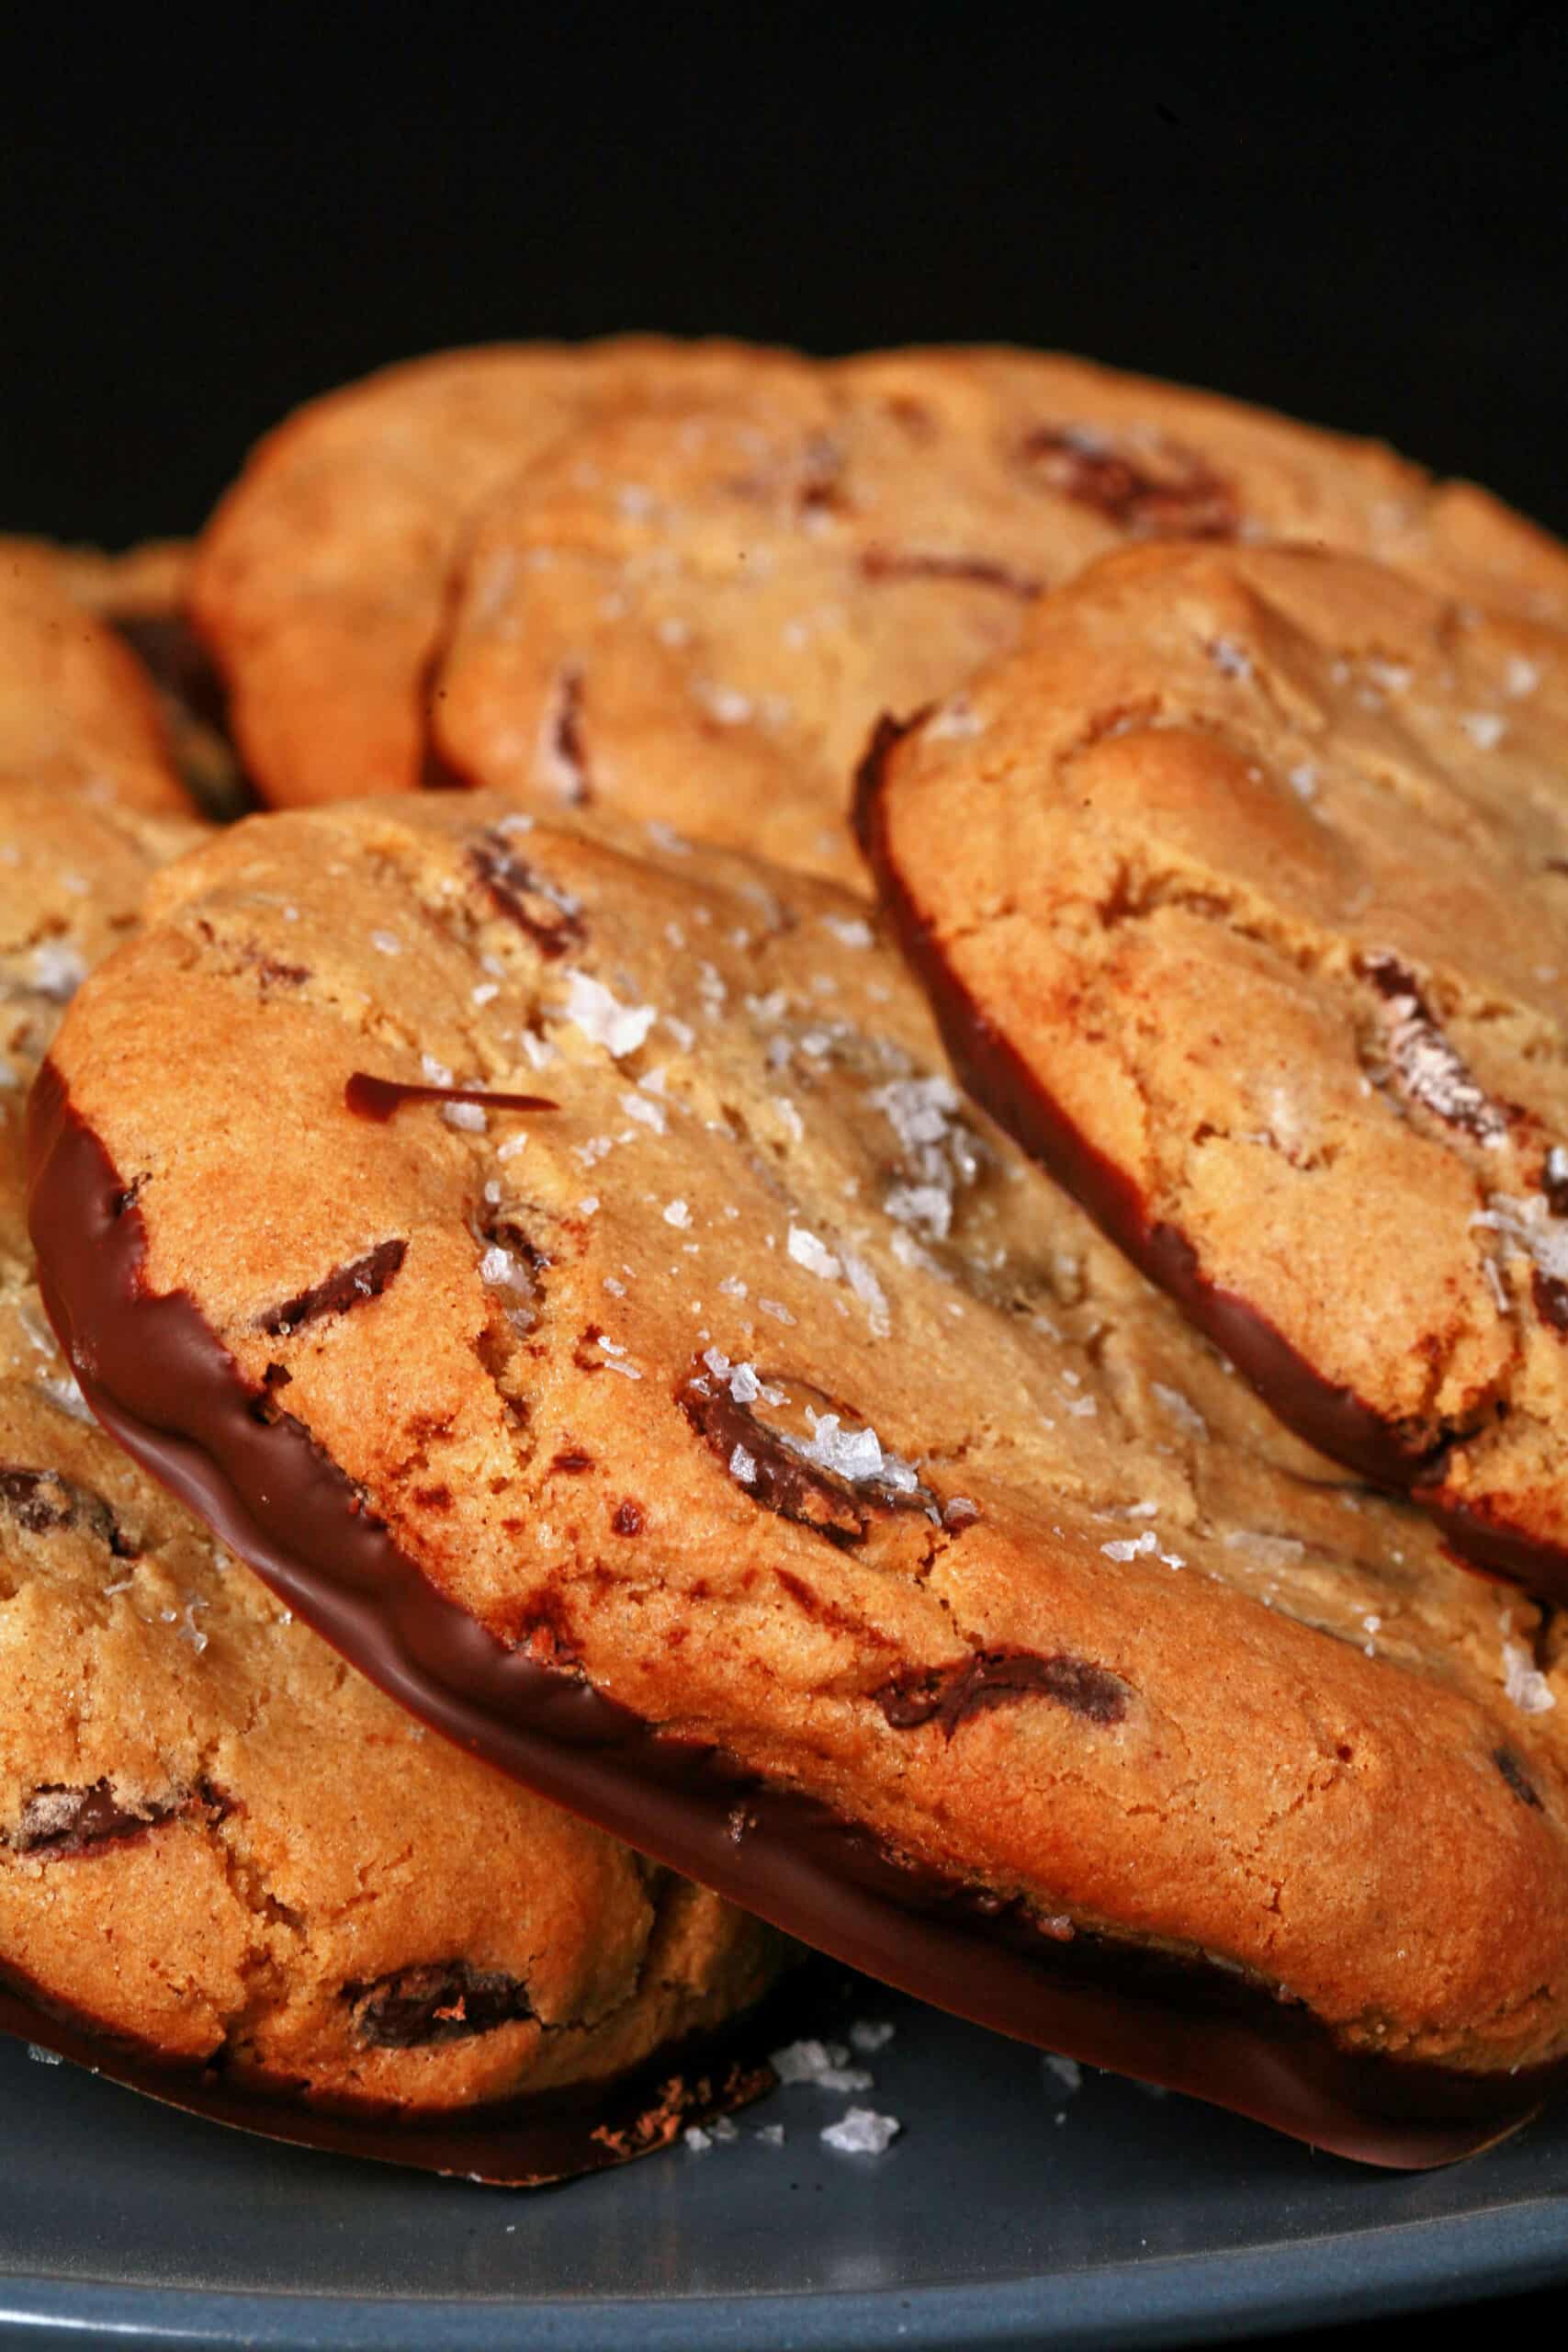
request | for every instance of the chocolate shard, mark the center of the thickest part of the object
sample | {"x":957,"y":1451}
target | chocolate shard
{"x":1518,"y":1780}
{"x":1166,"y":492}
{"x":950,"y":1695}
{"x":57,"y":1821}
{"x":779,"y":1476}
{"x":551,"y":916}
{"x":344,"y":1287}
{"x":437,"y":2001}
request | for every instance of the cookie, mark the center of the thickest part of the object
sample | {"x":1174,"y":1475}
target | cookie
{"x":73,"y":870}
{"x":231,"y":1870}
{"x":76,"y":707}
{"x":489,"y":568}
{"x":320,"y":581}
{"x":142,"y":595}
{"x":604,"y":1321}
{"x":1240,"y":891}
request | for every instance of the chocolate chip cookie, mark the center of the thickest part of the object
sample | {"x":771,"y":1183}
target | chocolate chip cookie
{"x":1241,"y":892}
{"x":320,"y":581}
{"x":231,"y":1870}
{"x":76,"y":707}
{"x":700,"y":615}
{"x":566,"y":1270}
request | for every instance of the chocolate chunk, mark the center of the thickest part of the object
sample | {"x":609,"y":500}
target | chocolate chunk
{"x":1427,"y":1067}
{"x":344,"y":1287}
{"x":42,"y":1501}
{"x":1550,"y":1297}
{"x":1518,"y":1780}
{"x":627,"y":1519}
{"x":777,"y":1475}
{"x":572,"y":1463}
{"x":949,"y":1695}
{"x":551,"y":917}
{"x":1166,"y":492}
{"x":60,"y":1821}
{"x":890,"y":563}
{"x":442,"y":2001}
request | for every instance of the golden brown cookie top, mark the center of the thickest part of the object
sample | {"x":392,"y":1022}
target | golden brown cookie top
{"x":218,"y":1844}
{"x":951,"y":482}
{"x":1251,"y":868}
{"x":321,"y":580}
{"x":761,"y":1389}
{"x":76,"y":708}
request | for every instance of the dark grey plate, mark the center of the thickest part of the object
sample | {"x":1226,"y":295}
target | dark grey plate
{"x":1009,"y":2213}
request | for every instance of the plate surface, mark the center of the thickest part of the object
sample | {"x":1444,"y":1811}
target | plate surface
{"x":1009,"y":2210}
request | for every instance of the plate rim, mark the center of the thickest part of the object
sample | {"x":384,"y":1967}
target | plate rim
{"x":1511,"y":2247}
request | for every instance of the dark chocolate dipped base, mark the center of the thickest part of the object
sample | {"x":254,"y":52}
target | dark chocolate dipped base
{"x":160,"y":1380}
{"x":1334,"y":1420}
{"x":512,"y":2144}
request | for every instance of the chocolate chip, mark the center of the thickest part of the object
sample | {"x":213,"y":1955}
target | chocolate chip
{"x":627,"y":1519}
{"x":439,"y":2001}
{"x":1550,"y":1297}
{"x":573,"y":1464}
{"x":769,"y":1469}
{"x":43,"y":1501}
{"x":58,"y":1821}
{"x":888,"y":563}
{"x":344,"y":1287}
{"x":1166,"y":492}
{"x":1518,"y":1780}
{"x":551,"y":917}
{"x":949,"y":1695}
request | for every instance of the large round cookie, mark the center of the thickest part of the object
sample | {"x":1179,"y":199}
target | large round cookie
{"x":76,"y":707}
{"x":1240,"y":891}
{"x":751,"y":1451}
{"x":231,"y":1870}
{"x":909,"y":502}
{"x":320,"y":581}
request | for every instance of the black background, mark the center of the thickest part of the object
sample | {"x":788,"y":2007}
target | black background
{"x":1359,"y":214}
{"x":1356,"y":214}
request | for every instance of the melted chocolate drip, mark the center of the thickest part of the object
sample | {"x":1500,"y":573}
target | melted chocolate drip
{"x":552,"y":920}
{"x":161,"y":1381}
{"x":1188,"y":502}
{"x":378,"y":1098}
{"x":344,"y":1287}
{"x":950,"y":1695}
{"x":443,"y":2001}
{"x":1407,"y":1458}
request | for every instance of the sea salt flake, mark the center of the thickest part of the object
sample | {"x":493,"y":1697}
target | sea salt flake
{"x":1066,"y":2071}
{"x":1486,"y":729}
{"x":775,"y":1308}
{"x":862,"y":2132}
{"x":601,"y":1016}
{"x":648,"y":1114}
{"x":744,"y":1466}
{"x":1269,"y":1551}
{"x":1232,"y":661}
{"x":386,"y":942}
{"x":676,"y":1212}
{"x":1303,"y":780}
{"x":1523,"y":1682}
{"x":813,"y":1254}
{"x":1520,"y":676}
{"x":470,"y":1116}
{"x":850,"y":930}
{"x":869,"y":2035}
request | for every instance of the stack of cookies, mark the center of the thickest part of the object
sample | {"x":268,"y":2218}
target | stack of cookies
{"x":848,"y":1216}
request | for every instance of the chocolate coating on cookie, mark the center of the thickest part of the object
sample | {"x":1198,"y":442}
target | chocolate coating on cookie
{"x":1085,"y":1573}
{"x":292,"y":1515}
{"x":1247,"y":939}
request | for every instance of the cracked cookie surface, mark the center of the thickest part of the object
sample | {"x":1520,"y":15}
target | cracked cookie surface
{"x":908,"y":501}
{"x":761,"y":1405}
{"x":1242,"y":890}
{"x":77,"y":709}
{"x":223,"y":1852}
